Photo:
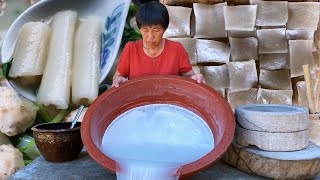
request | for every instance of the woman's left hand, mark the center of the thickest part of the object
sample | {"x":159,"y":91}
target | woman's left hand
{"x":199,"y":78}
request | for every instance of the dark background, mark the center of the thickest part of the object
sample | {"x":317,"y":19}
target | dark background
{"x":139,"y":2}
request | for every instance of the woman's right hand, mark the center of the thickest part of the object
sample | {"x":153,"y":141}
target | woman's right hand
{"x":117,"y":80}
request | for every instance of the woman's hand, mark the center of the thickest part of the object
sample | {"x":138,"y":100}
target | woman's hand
{"x":199,"y":78}
{"x":117,"y":80}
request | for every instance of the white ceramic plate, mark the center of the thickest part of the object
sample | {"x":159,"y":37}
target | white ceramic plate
{"x":114,"y":13}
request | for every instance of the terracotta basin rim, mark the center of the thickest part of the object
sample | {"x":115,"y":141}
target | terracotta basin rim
{"x":187,"y":170}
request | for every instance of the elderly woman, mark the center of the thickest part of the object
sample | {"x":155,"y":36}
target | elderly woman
{"x":153,"y":55}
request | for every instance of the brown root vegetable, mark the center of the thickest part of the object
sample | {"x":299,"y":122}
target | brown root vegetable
{"x":16,"y":113}
{"x":11,"y":160}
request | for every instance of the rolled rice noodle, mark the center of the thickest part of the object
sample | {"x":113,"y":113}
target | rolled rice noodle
{"x":55,"y":84}
{"x":30,"y":54}
{"x":85,"y":68}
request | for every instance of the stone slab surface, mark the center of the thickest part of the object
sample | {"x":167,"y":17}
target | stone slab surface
{"x":273,"y":117}
{"x":279,"y":165}
{"x":85,"y":168}
{"x":80,"y":169}
{"x":268,"y":141}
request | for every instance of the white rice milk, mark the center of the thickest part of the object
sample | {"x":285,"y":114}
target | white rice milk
{"x":152,"y":142}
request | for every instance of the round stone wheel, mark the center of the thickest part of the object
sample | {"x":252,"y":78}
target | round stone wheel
{"x":273,"y":117}
{"x":268,"y":141}
{"x":302,"y":164}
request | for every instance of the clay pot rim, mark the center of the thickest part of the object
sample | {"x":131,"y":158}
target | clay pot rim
{"x":186,"y":170}
{"x":36,"y":129}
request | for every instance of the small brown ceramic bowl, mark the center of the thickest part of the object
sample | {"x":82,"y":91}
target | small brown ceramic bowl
{"x":57,"y":142}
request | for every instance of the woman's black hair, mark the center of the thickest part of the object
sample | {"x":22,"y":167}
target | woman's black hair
{"x":152,"y":13}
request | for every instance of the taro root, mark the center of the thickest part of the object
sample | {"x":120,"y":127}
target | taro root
{"x":16,"y":113}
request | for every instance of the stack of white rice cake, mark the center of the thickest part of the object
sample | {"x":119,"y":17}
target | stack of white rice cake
{"x":272,"y":140}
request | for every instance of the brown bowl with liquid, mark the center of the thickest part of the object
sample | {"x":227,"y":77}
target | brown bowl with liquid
{"x":57,"y":142}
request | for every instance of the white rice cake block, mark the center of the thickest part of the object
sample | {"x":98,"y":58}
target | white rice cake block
{"x":303,"y":15}
{"x":216,"y":76}
{"x":212,"y":51}
{"x":196,"y":69}
{"x":179,"y":22}
{"x":299,"y":34}
{"x":242,"y":34}
{"x":302,"y":94}
{"x":243,"y":49}
{"x":273,"y":61}
{"x":55,"y":85}
{"x":268,"y":96}
{"x":272,"y":41}
{"x":86,"y":61}
{"x":273,"y":117}
{"x":243,"y":75}
{"x":302,"y":35}
{"x":189,"y":45}
{"x":240,"y":18}
{"x":30,"y":55}
{"x":273,"y":141}
{"x":271,"y":13}
{"x":239,"y":98}
{"x":209,"y":20}
{"x":300,"y":52}
{"x":279,"y":79}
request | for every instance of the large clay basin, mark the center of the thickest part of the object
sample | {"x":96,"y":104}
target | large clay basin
{"x":184,"y":92}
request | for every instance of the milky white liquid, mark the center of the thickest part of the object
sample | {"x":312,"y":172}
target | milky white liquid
{"x":152,"y":142}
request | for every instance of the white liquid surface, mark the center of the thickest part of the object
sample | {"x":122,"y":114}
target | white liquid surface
{"x":152,"y":142}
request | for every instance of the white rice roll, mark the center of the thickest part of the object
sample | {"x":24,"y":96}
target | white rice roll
{"x":85,"y":70}
{"x":30,"y":54}
{"x":55,"y":84}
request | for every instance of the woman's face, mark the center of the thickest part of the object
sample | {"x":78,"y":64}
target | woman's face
{"x":152,"y":35}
